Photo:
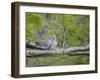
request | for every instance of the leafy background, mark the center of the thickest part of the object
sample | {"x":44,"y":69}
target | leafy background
{"x":76,"y":30}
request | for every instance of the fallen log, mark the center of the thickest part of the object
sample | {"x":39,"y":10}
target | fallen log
{"x":71,"y":50}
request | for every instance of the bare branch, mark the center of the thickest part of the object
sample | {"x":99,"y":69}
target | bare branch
{"x":71,"y":50}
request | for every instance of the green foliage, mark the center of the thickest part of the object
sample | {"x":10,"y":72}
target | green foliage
{"x":76,"y":27}
{"x":57,"y":60}
{"x":34,"y":22}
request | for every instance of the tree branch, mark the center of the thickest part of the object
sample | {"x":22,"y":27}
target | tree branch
{"x":72,"y":50}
